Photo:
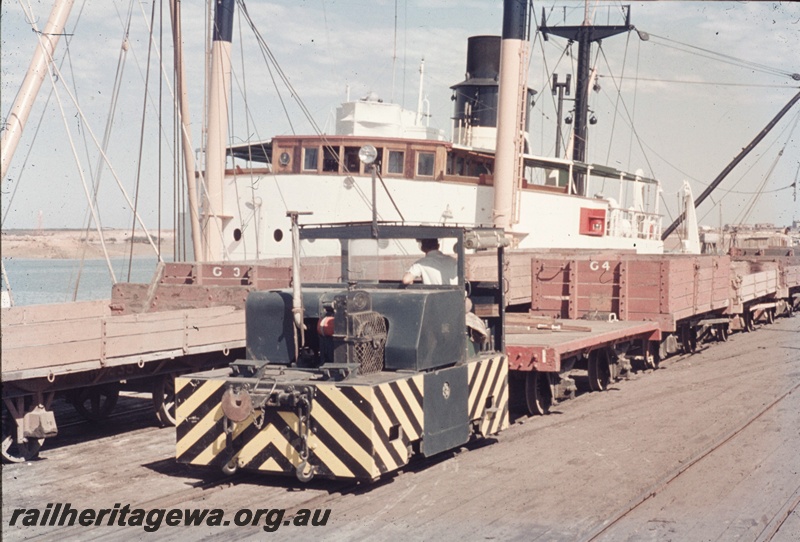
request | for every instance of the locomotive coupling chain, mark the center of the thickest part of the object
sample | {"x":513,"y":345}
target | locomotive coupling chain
{"x":304,"y":471}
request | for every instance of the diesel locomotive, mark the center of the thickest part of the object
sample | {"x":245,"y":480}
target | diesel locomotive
{"x":351,"y":378}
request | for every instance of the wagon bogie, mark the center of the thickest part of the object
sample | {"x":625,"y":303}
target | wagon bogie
{"x":26,"y":423}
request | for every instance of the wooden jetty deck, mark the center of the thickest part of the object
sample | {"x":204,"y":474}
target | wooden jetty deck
{"x":704,"y":448}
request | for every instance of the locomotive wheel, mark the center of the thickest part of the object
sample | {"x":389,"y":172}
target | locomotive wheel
{"x":13,"y":451}
{"x":164,"y":399}
{"x":538,"y":393}
{"x":722,"y":332}
{"x":599,"y":370}
{"x":95,"y":403}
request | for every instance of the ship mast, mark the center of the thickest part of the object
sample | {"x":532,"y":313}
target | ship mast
{"x":510,"y":111}
{"x":186,"y":129}
{"x":584,"y":35}
{"x":218,"y":95}
{"x":37,"y":71}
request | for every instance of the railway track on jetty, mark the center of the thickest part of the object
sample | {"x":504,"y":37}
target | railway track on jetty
{"x":713,"y":435}
{"x":673,"y":478}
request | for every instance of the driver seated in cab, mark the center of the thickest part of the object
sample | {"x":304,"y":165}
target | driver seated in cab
{"x":434,"y":268}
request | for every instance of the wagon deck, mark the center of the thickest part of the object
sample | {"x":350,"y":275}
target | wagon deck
{"x":48,"y":341}
{"x":540,"y":344}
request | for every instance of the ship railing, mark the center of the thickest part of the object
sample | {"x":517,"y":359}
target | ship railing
{"x":630,"y":223}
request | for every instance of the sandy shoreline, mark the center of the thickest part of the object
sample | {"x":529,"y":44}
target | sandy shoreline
{"x":75,"y":244}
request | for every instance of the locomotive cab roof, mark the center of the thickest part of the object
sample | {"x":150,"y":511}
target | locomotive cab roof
{"x":465,"y":238}
{"x":397,"y":230}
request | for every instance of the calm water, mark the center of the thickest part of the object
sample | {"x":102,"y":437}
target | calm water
{"x":37,"y":281}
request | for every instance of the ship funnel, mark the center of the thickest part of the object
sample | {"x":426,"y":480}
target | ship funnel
{"x":475,"y":109}
{"x":483,"y":58}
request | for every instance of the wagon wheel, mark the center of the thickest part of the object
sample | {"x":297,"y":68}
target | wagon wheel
{"x":599,"y":370}
{"x":538,"y":393}
{"x":770,"y":316}
{"x":95,"y":403}
{"x":164,"y":399}
{"x":689,"y":339}
{"x":722,"y":332}
{"x":652,"y":355}
{"x":13,"y":451}
{"x":748,"y":321}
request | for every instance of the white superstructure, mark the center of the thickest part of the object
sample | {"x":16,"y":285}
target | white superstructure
{"x":423,"y":178}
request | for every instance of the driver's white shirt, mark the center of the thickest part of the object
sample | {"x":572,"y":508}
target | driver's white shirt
{"x":436,"y":268}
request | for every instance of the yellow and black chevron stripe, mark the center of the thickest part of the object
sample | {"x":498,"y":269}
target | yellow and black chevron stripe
{"x":201,"y":437}
{"x":373,"y":425}
{"x":200,"y":425}
{"x":488,"y":394}
{"x":357,"y":431}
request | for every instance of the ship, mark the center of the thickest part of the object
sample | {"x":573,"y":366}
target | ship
{"x":560,"y":202}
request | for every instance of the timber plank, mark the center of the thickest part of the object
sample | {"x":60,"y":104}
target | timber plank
{"x":50,"y":333}
{"x":132,"y":345}
{"x":33,"y":357}
{"x":31,"y":314}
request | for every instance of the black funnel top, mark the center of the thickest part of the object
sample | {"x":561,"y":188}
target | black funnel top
{"x":476,"y":97}
{"x":515,"y":19}
{"x":483,"y":57}
{"x":483,"y":61}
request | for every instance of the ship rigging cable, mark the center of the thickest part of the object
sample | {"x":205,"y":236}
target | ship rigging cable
{"x":54,"y":77}
{"x":618,"y":97}
{"x":760,"y":191}
{"x":549,"y":77}
{"x":627,"y":113}
{"x":270,"y":57}
{"x":28,"y":13}
{"x":115,"y":92}
{"x":714,"y":83}
{"x":243,"y":89}
{"x":141,"y":138}
{"x":727,"y":59}
{"x":635,"y":95}
{"x":745,"y":214}
{"x":757,"y":195}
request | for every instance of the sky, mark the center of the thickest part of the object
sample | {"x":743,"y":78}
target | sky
{"x":692,"y":109}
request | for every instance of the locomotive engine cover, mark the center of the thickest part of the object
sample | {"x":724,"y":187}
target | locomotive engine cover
{"x":424,"y":328}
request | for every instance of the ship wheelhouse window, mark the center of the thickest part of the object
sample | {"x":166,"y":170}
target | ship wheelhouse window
{"x":460,"y":165}
{"x":351,"y":161}
{"x":310,"y":158}
{"x":330,"y":159}
{"x":474,"y":168}
{"x":425,"y":162}
{"x":396,"y":162}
